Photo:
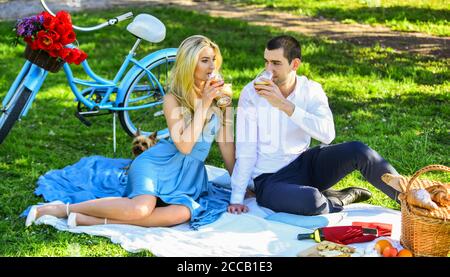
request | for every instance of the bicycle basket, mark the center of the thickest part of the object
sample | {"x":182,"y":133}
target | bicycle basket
{"x":42,"y":59}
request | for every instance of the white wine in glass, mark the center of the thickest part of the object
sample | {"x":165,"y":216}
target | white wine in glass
{"x":266,"y":75}
{"x":223,"y":100}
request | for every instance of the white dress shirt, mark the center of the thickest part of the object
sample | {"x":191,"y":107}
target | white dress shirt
{"x":267,"y":139}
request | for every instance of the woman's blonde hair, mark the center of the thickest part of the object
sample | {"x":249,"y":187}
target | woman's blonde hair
{"x":182,"y":75}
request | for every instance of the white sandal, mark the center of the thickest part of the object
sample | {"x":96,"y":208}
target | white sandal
{"x":31,"y":217}
{"x":72,"y":220}
{"x":32,"y":214}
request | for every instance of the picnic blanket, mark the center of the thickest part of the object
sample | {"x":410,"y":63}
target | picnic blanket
{"x":260,"y":232}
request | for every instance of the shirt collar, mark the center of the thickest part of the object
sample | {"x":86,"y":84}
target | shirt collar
{"x":296,"y":89}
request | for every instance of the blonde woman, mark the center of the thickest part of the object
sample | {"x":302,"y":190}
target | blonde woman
{"x":171,"y":173}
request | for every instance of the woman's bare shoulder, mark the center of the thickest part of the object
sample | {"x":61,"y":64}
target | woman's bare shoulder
{"x":170,"y":97}
{"x":171,"y":100}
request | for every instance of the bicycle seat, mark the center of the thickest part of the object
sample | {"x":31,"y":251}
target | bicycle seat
{"x":147,"y":27}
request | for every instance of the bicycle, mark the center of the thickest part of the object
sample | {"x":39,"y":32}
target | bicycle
{"x":137,"y":96}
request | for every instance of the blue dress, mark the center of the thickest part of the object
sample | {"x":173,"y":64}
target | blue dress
{"x":174,"y":177}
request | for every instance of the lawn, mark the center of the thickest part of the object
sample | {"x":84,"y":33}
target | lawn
{"x":426,"y":16}
{"x":396,"y":103}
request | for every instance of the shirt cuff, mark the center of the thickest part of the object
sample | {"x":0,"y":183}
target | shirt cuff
{"x":237,"y":197}
{"x":298,"y":114}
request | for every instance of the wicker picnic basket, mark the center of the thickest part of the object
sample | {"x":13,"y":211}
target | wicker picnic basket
{"x":42,"y":59}
{"x":425,"y":234}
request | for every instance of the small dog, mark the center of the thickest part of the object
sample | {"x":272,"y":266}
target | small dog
{"x":141,"y":142}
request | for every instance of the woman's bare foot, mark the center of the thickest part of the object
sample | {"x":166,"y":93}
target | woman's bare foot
{"x":54,"y":210}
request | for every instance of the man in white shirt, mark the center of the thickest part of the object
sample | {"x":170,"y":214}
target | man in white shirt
{"x":275,"y":124}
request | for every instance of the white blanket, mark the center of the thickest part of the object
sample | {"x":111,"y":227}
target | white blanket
{"x":242,"y":235}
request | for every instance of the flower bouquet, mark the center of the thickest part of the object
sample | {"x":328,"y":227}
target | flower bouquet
{"x":47,"y":37}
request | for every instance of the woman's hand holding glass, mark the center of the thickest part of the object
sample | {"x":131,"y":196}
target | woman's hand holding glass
{"x":211,"y":91}
{"x":226,"y":91}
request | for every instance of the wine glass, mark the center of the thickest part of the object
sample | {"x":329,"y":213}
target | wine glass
{"x":263,"y":75}
{"x":225,"y":99}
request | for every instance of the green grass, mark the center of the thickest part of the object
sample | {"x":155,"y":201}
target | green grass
{"x":426,"y":16}
{"x":396,"y":103}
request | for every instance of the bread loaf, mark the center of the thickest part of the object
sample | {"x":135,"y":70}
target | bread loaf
{"x":421,"y":198}
{"x":440,"y":194}
{"x":398,"y":182}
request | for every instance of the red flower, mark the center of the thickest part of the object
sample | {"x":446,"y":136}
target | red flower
{"x":74,"y":54}
{"x":54,"y":35}
{"x":55,"y":49}
{"x":34,"y":45}
{"x":64,"y":17}
{"x":63,"y":53}
{"x":53,"y":53}
{"x":81,"y":58}
{"x":28,"y":39}
{"x":49,"y":21}
{"x":44,"y":40}
{"x":68,"y":37}
{"x":51,"y":34}
{"x":62,"y":27}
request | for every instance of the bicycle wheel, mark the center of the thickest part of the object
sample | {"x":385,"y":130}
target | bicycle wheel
{"x":144,"y":90}
{"x":11,"y":112}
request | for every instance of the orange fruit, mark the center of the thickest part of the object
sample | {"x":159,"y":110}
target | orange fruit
{"x":405,"y":253}
{"x":381,"y":245}
{"x":390,"y":251}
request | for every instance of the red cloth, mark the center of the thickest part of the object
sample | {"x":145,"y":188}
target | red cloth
{"x":346,"y":234}
{"x":384,"y":229}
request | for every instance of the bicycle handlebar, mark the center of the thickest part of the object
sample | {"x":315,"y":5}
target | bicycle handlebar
{"x":109,"y":22}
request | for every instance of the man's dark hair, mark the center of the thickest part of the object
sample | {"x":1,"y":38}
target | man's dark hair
{"x":291,"y":47}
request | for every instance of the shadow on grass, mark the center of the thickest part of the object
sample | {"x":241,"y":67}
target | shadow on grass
{"x":399,"y":17}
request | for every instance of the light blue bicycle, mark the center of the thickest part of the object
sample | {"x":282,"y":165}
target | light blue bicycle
{"x":136,"y":97}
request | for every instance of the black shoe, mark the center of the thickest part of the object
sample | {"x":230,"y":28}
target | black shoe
{"x":348,"y":195}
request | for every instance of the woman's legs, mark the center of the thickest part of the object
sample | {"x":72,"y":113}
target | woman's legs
{"x":119,"y":208}
{"x":160,"y":217}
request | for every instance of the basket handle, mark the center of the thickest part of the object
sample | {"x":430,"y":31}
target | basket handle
{"x":426,"y":169}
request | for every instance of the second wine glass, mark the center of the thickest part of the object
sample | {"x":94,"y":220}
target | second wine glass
{"x":263,"y":75}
